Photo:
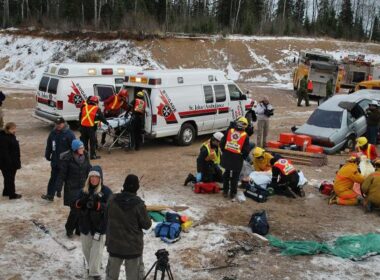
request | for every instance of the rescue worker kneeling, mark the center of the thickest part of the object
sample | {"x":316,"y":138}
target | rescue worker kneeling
{"x":261,"y":160}
{"x":285,"y":178}
{"x":365,"y":148}
{"x":90,"y":115}
{"x":235,"y":149}
{"x":371,"y":189}
{"x":208,"y":161}
{"x":344,"y":182}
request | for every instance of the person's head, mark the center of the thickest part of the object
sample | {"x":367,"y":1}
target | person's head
{"x":276,"y":157}
{"x":216,"y":138}
{"x":59,"y":123}
{"x":10,"y":128}
{"x":131,"y":184}
{"x":241,"y":123}
{"x":93,"y":100}
{"x":123,"y":93}
{"x":94,"y":180}
{"x":258,"y":153}
{"x":265,"y":100}
{"x":362,"y":142}
{"x":354,"y":158}
{"x":77,"y":146}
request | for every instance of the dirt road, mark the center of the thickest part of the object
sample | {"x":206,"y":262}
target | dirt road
{"x":26,"y":253}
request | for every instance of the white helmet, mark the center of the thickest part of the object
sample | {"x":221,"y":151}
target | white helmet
{"x":218,"y":136}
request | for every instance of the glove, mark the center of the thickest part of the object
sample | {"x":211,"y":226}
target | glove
{"x":83,"y":201}
{"x":198,"y":177}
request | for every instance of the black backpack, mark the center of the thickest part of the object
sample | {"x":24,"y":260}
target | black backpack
{"x":256,"y":193}
{"x":259,"y":223}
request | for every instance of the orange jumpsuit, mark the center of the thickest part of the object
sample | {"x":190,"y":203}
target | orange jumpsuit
{"x":344,"y":183}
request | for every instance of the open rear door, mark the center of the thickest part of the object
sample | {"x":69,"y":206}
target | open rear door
{"x":148,"y":113}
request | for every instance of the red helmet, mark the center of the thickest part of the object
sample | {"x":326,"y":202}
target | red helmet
{"x":123,"y":92}
{"x":94,"y":99}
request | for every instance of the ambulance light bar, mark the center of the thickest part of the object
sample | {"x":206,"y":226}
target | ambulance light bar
{"x":137,"y":80}
{"x":155,"y":82}
{"x":121,"y":71}
{"x":107,"y":71}
{"x":62,"y":71}
{"x":92,"y":71}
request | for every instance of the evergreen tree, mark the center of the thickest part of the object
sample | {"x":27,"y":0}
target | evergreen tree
{"x":346,"y":19}
{"x":376,"y":30}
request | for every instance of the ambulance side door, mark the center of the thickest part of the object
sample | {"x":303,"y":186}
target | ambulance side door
{"x":236,"y":98}
{"x":103,"y":92}
{"x":208,"y":120}
{"x":148,"y":112}
{"x":222,"y":106}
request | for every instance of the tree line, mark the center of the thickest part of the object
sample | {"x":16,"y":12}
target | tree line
{"x":347,"y":19}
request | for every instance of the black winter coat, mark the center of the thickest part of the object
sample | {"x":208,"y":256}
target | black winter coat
{"x":127,"y":216}
{"x":9,"y":152}
{"x":57,"y":143}
{"x":73,"y":175}
{"x":232,"y":161}
{"x":93,"y":220}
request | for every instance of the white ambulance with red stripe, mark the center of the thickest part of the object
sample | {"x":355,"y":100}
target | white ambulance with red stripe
{"x":185,"y":103}
{"x":63,"y":87}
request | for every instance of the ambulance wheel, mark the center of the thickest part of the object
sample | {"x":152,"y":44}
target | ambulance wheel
{"x":186,"y":135}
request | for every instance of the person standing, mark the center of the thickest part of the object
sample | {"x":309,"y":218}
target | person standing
{"x":9,"y":159}
{"x":303,"y":92}
{"x":264,"y":111}
{"x":92,"y":202}
{"x":137,"y":120}
{"x":127,"y":217}
{"x":58,"y":142}
{"x":208,"y":162}
{"x":329,"y":88}
{"x":235,"y":149}
{"x":373,"y":120}
{"x":90,"y":115}
{"x":2,"y":98}
{"x":74,"y":168}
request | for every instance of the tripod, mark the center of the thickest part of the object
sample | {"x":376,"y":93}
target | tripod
{"x":162,"y":264}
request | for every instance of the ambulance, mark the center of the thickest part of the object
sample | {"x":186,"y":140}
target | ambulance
{"x":185,"y":103}
{"x":63,"y":88}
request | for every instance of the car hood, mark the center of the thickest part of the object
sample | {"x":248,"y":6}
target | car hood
{"x":316,"y":131}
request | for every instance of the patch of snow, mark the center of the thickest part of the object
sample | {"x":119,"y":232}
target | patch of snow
{"x":231,"y":73}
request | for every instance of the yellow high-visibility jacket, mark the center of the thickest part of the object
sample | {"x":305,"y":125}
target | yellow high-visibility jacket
{"x":263,"y":164}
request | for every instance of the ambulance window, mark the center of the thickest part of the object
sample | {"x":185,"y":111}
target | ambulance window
{"x":104,"y":92}
{"x":220,"y":93}
{"x":53,"y":84}
{"x":234,"y":92}
{"x":43,"y":83}
{"x":209,"y":96}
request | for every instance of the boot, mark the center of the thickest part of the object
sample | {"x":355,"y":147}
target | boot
{"x":47,"y":197}
{"x":190,"y":178}
{"x":59,"y":194}
{"x":15,"y":196}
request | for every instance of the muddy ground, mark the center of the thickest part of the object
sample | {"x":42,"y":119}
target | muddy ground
{"x":220,"y":224}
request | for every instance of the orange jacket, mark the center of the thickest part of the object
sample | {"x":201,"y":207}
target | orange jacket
{"x":347,"y":175}
{"x":370,"y":152}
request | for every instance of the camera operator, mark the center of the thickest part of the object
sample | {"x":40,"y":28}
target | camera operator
{"x":127,"y":217}
{"x":92,"y":203}
{"x":264,"y":111}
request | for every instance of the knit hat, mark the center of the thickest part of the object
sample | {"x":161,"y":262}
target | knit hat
{"x":59,"y":120}
{"x":94,"y":173}
{"x":131,"y":184}
{"x":76,"y":144}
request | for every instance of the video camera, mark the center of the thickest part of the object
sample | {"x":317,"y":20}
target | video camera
{"x":268,"y":112}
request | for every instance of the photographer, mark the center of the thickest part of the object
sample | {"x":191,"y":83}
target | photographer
{"x":92,"y":202}
{"x":127,"y":217}
{"x":264,"y":111}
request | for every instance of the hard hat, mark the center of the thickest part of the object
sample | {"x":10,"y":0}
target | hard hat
{"x":361,"y":141}
{"x":218,"y":136}
{"x":375,"y":103}
{"x":140,"y":94}
{"x":123,"y":92}
{"x":243,"y":120}
{"x":94,"y":99}
{"x":258,"y":152}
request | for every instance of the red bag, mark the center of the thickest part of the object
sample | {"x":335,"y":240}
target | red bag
{"x":326,"y":188}
{"x":211,"y":187}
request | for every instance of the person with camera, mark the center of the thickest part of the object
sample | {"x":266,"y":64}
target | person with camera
{"x":92,"y":202}
{"x":127,"y":217}
{"x":264,"y":111}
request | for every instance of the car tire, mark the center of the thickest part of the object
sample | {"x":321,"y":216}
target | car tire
{"x":350,"y":143}
{"x":186,"y":135}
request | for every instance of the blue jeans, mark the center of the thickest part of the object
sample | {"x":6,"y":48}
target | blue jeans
{"x":51,"y":189}
{"x":372,"y":134}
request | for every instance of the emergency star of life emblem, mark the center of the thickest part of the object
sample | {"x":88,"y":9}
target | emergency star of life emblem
{"x":75,"y":96}
{"x":235,"y":136}
{"x":165,"y":109}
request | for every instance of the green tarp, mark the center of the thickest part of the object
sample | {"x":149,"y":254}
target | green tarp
{"x":354,"y":247}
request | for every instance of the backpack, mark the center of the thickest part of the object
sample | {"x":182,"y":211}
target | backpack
{"x":259,"y":223}
{"x":256,"y":193}
{"x":211,"y":187}
{"x":167,"y":230}
{"x":326,"y":188}
{"x":172,"y":218}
